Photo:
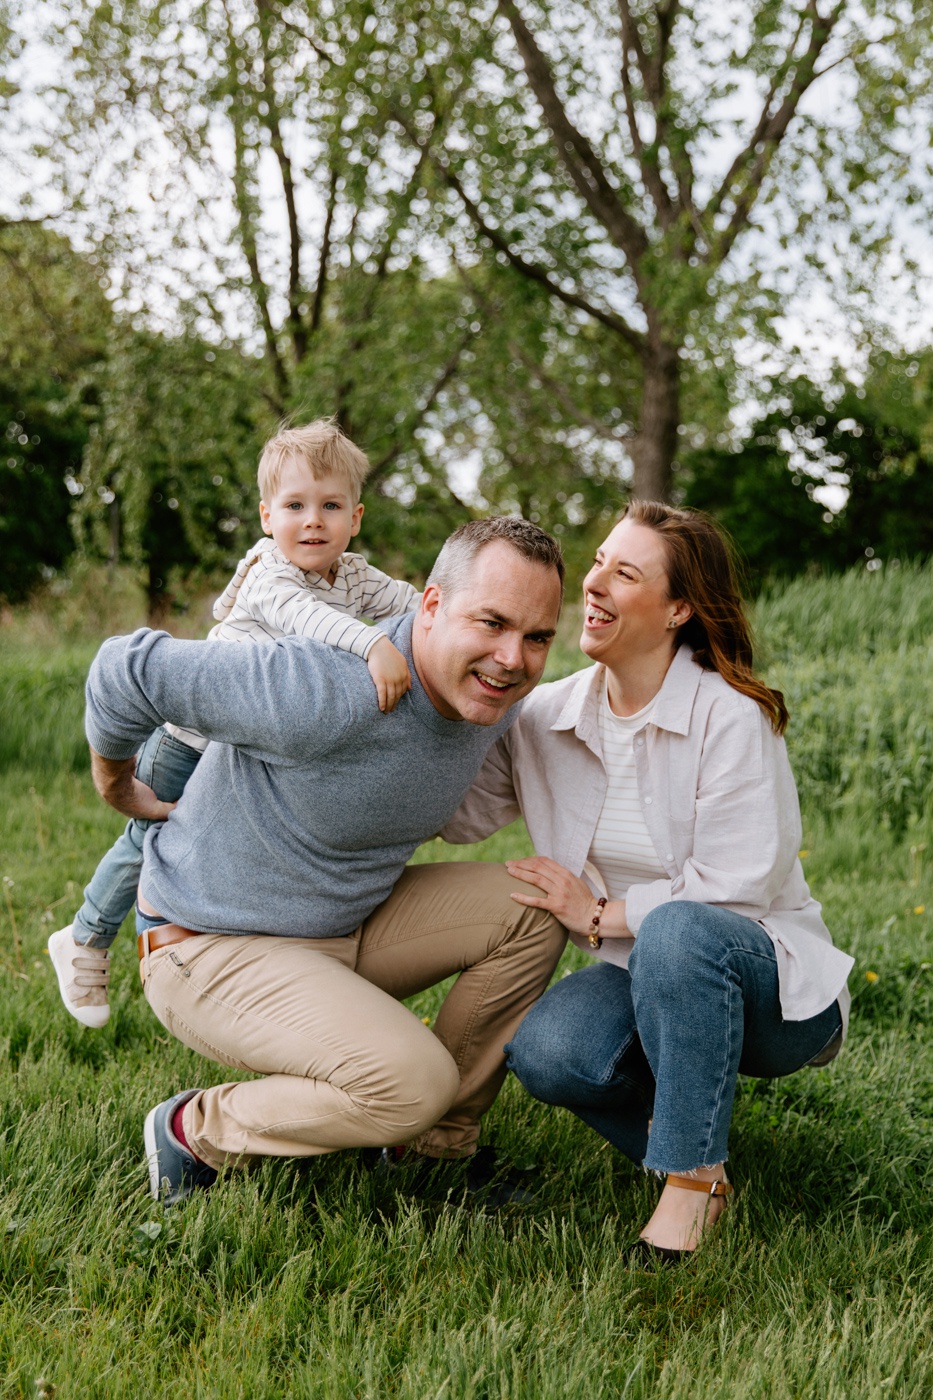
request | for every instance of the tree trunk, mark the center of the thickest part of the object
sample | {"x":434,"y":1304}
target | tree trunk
{"x":655,"y":444}
{"x":157,"y":599}
{"x":114,"y":512}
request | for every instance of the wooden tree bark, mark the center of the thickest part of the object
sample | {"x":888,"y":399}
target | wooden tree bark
{"x":654,"y":445}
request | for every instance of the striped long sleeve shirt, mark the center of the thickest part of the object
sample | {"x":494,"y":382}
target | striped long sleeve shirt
{"x":268,"y":598}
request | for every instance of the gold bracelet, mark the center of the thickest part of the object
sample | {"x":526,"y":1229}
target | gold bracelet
{"x":592,"y":936}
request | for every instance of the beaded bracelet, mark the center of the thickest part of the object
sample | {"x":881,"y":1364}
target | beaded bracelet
{"x":592,"y":936}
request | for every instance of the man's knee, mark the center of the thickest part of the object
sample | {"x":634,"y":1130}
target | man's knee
{"x":423,"y":1083}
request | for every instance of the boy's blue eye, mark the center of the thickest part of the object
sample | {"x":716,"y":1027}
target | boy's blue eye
{"x":331,"y":505}
{"x":293,"y":505}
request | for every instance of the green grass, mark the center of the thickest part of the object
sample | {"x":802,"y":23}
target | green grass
{"x":316,"y":1280}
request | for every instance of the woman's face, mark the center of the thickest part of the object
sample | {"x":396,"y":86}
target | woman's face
{"x":627,"y":614}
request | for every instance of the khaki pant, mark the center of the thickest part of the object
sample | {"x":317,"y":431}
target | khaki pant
{"x":345,"y":1064}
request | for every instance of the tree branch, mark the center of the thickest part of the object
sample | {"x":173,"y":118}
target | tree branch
{"x":753,"y":161}
{"x":648,"y":163}
{"x":34,"y":293}
{"x":553,"y":386}
{"x":414,"y":420}
{"x":245,"y":218}
{"x":312,"y":43}
{"x":576,"y":154}
{"x":317,"y":307}
{"x":24,"y":222}
{"x":296,"y":325}
{"x":532,"y":271}
{"x":374,"y":284}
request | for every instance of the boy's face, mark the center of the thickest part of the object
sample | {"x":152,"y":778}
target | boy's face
{"x":312,"y":520}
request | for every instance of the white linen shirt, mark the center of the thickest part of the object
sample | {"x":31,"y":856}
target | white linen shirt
{"x":718,"y":798}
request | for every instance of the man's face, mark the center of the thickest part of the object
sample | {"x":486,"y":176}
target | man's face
{"x":484,"y":646}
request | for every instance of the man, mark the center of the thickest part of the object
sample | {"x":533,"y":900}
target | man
{"x":279,"y":926}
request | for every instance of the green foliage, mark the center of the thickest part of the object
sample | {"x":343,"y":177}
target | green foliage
{"x":168,"y":482}
{"x":589,"y":172}
{"x":52,"y":337}
{"x":617,"y":156}
{"x":779,"y":529}
{"x":872,"y":442}
{"x":351,"y":319}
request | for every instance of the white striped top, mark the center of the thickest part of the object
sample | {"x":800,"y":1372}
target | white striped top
{"x":269,"y":597}
{"x":622,"y":849}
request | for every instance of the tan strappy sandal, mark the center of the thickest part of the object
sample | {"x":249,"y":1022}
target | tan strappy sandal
{"x":645,"y":1255}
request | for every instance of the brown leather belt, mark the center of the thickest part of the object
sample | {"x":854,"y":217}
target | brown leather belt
{"x":163,"y":936}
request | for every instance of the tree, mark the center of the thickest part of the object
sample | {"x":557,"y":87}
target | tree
{"x":168,"y":482}
{"x":53,"y":336}
{"x":288,"y":207}
{"x":623,"y":156}
{"x":872,"y":443}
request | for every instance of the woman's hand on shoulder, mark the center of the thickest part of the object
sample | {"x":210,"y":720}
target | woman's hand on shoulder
{"x":565,"y":895}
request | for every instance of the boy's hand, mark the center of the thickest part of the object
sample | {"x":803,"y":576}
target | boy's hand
{"x":389,"y":670}
{"x":116,"y":781}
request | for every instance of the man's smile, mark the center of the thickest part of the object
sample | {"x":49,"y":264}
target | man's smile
{"x":491,"y":683}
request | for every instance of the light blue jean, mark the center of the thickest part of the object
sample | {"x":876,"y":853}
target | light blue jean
{"x":165,"y":764}
{"x":664,"y":1041}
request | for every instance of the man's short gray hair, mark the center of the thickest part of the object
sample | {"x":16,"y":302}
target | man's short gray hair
{"x":452,"y":566}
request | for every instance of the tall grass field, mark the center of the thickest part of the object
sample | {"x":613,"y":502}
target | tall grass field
{"x":319,"y":1279}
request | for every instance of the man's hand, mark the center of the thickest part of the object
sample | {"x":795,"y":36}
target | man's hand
{"x":116,"y":781}
{"x":390,"y":672}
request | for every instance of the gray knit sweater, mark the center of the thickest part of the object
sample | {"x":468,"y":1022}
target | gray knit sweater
{"x":301,"y":817}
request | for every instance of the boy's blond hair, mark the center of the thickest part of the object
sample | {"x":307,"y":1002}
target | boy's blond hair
{"x":322,"y":447}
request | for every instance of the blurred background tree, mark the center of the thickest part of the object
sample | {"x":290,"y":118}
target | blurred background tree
{"x":290,"y":220}
{"x":872,"y":444}
{"x":530,"y":255}
{"x":668,"y":174}
{"x":168,"y":482}
{"x":53,"y":337}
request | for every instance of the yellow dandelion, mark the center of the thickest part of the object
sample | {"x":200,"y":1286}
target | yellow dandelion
{"x":426,"y":1020}
{"x":803,"y":854}
{"x":919,"y":908}
{"x":871,"y":977}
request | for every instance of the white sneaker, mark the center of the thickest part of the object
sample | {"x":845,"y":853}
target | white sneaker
{"x":83,"y":977}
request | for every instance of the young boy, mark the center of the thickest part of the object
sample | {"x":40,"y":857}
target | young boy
{"x":299,"y":581}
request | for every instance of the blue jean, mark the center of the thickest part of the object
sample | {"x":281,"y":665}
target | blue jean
{"x":664,"y":1041}
{"x":165,"y":764}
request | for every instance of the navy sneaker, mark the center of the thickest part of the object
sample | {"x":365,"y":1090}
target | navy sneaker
{"x":173,"y":1172}
{"x":485,"y":1177}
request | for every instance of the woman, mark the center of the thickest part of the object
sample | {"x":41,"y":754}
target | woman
{"x":658,"y":795}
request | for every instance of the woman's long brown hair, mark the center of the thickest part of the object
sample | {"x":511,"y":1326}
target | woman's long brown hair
{"x":701,"y":571}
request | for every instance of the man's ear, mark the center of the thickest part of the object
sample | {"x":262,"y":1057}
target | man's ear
{"x":265,"y":517}
{"x":430,"y":606}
